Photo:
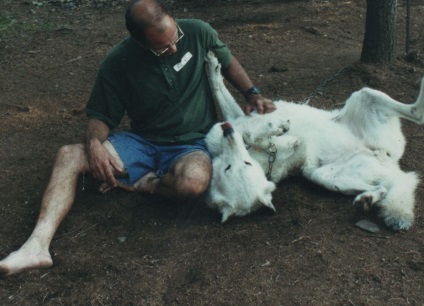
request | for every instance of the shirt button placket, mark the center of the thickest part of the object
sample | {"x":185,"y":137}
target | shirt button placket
{"x":169,"y":77}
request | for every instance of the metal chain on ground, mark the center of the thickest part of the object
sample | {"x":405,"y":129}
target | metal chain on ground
{"x":319,"y":88}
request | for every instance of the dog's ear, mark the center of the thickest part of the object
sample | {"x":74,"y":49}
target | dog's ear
{"x":227,"y":212}
{"x":269,"y":205}
{"x":267,"y":198}
{"x":213,"y":140}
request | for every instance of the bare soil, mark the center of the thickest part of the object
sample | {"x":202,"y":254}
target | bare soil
{"x":131,"y":249}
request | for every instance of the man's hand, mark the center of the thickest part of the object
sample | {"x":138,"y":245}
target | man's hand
{"x":103,"y":165}
{"x":238,"y":77}
{"x":260,"y":104}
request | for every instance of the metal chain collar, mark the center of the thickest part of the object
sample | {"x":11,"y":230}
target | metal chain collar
{"x":319,"y":88}
{"x":272,"y":150}
{"x":272,"y":153}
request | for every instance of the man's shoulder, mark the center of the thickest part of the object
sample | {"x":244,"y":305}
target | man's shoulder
{"x":195,"y":25}
{"x":118,"y":53}
{"x":123,"y":47}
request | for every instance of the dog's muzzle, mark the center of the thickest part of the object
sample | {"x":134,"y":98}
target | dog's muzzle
{"x":227,"y":129}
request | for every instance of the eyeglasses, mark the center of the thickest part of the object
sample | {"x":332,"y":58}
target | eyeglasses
{"x":180,"y":35}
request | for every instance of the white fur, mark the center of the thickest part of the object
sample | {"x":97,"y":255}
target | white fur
{"x":238,"y":183}
{"x":354,"y":150}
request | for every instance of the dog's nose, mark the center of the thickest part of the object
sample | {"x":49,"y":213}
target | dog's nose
{"x":228,"y":132}
{"x":227,"y":129}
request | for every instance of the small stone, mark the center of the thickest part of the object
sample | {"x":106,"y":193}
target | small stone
{"x":367,"y":226}
{"x":122,"y":239}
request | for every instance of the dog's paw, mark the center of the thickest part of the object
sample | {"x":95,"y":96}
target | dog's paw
{"x":211,"y":58}
{"x":284,"y":125}
{"x":366,"y":200}
{"x":278,"y":128}
{"x":396,"y":217}
{"x":363,"y":202}
{"x":399,"y":222}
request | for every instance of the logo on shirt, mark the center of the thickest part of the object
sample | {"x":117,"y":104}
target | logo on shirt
{"x":183,"y":62}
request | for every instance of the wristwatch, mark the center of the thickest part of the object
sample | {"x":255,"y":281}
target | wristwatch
{"x":252,"y":91}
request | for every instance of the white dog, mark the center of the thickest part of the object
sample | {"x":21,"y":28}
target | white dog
{"x":354,"y":150}
{"x":238,"y":183}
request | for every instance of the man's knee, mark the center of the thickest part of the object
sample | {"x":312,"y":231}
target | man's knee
{"x":73,"y":154}
{"x":71,"y":150}
{"x":193,"y":184}
{"x":192,"y":174}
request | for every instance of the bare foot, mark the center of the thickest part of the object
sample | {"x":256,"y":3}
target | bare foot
{"x":147,"y":183}
{"x":105,"y":187}
{"x":29,"y":256}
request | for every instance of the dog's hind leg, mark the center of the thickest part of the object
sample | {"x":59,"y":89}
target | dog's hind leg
{"x":361,"y":174}
{"x":388,"y":188}
{"x":374,"y":105}
{"x":345,"y":179}
{"x":415,"y":111}
{"x":397,"y":208}
{"x":374,"y":117}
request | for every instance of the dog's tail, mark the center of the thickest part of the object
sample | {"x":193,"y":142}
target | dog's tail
{"x":397,"y":208}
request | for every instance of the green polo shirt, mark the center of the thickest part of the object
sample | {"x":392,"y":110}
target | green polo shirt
{"x":167,"y":98}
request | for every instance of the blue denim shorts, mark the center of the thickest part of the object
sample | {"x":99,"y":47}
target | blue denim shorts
{"x":141,"y":156}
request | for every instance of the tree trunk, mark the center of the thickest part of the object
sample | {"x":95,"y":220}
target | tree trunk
{"x":380,"y":32}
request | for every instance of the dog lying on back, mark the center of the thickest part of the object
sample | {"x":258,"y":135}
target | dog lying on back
{"x":354,"y":150}
{"x":238,"y":183}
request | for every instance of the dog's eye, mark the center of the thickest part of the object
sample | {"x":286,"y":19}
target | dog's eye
{"x":228,"y":167}
{"x":247,"y":163}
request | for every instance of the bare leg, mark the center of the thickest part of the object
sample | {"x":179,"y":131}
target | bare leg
{"x":189,"y":177}
{"x":57,"y":201}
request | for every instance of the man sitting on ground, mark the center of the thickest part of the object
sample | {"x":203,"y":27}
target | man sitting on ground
{"x":157,"y":77}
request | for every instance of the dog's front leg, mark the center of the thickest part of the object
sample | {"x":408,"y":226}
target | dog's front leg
{"x":261,"y":130}
{"x":229,"y":108}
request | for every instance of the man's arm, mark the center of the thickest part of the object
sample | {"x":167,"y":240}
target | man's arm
{"x":101,"y":162}
{"x":238,"y":77}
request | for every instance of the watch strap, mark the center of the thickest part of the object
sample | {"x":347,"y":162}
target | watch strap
{"x":252,"y":91}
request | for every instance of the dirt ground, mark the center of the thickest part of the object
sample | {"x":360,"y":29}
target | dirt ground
{"x":131,"y":249}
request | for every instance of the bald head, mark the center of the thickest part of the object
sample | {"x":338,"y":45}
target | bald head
{"x":144,"y":14}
